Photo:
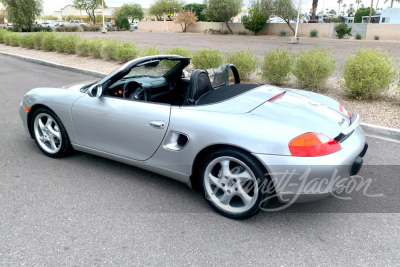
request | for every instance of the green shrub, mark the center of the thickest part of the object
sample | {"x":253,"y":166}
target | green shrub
{"x":342,"y":29}
{"x":283,"y":33}
{"x":149,"y":51}
{"x":90,"y":28}
{"x":15,"y":39}
{"x":49,"y":42}
{"x":276,"y":66}
{"x":95,"y":47}
{"x":313,"y":66}
{"x":127,"y":52}
{"x":37,"y":39}
{"x":358,"y":36}
{"x":28,"y":41}
{"x":67,"y":43}
{"x":207,"y":59}
{"x":42,"y":29}
{"x":122,"y":22}
{"x":3,"y":33}
{"x":335,"y":20}
{"x":70,"y":28}
{"x":376,"y":37}
{"x":256,"y":20}
{"x":314,"y":33}
{"x":242,"y":33}
{"x":83,"y":48}
{"x":109,"y":49}
{"x":7,"y":38}
{"x":178,"y":51}
{"x":368,"y":73}
{"x":245,"y":61}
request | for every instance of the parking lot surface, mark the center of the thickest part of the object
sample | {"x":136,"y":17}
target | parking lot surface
{"x":88,"y":211}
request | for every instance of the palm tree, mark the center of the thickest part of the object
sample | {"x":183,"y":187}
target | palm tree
{"x":392,"y":1}
{"x":339,"y":2}
{"x":314,"y":8}
{"x":358,"y":2}
{"x":344,"y":8}
{"x":370,"y":11}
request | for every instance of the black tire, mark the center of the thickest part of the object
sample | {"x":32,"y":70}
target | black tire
{"x":65,"y":146}
{"x":252,"y":164}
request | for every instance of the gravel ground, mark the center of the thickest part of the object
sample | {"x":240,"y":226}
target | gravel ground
{"x":384,"y":111}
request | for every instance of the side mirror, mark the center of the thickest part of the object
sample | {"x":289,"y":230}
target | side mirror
{"x":95,"y":90}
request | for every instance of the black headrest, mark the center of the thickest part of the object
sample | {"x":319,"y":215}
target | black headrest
{"x":200,"y":84}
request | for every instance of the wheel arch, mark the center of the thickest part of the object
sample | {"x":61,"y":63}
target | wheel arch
{"x":30,"y":114}
{"x":195,"y":181}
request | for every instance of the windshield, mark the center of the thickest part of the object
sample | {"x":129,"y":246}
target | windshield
{"x":156,"y":68}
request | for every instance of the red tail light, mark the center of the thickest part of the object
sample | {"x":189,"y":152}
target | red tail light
{"x":313,"y":145}
{"x":344,"y":111}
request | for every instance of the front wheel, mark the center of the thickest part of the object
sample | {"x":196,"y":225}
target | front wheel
{"x":232,"y":183}
{"x":50,"y":134}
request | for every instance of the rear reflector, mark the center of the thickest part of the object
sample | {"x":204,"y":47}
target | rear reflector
{"x":27,"y":109}
{"x":313,"y":145}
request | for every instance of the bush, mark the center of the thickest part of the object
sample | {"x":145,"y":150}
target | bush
{"x":358,"y":36}
{"x":28,"y":41}
{"x":49,"y":42}
{"x":342,"y":29}
{"x":127,"y":52}
{"x":314,"y":33}
{"x":368,"y":74}
{"x":122,"y":23}
{"x":283,"y":33}
{"x":71,"y":28}
{"x":3,"y":33}
{"x":242,"y":33}
{"x":42,"y":29}
{"x":67,"y":43}
{"x":15,"y":39}
{"x":312,"y":67}
{"x":207,"y":58}
{"x":245,"y":61}
{"x":178,"y":51}
{"x":83,"y":48}
{"x":7,"y":38}
{"x":256,"y":20}
{"x":149,"y":51}
{"x":95,"y":47}
{"x":90,"y":28}
{"x":276,"y":66}
{"x":109,"y":49}
{"x":37,"y":39}
{"x":376,"y":37}
{"x":335,"y":20}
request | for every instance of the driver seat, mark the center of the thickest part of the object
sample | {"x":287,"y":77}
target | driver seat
{"x":200,"y":85}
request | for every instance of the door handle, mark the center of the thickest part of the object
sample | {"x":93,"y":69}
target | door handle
{"x":157,"y":124}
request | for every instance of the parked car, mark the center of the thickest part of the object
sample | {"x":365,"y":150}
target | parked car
{"x":234,"y":142}
{"x":10,"y":24}
{"x":134,"y":25}
{"x":48,"y":24}
{"x":77,"y":23}
{"x":59,"y":23}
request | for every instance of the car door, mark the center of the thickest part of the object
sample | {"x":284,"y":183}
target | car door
{"x":131,"y":129}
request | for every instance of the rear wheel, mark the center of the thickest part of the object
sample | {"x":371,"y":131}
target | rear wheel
{"x":50,"y":134}
{"x":231,"y":183}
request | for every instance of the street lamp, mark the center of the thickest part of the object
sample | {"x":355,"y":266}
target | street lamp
{"x":295,"y":39}
{"x":102,"y":11}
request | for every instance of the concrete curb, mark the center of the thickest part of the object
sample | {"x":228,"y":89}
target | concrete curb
{"x":381,"y":132}
{"x":369,"y":129}
{"x":58,"y":66}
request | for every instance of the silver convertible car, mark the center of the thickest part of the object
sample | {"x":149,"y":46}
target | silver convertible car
{"x":239,"y":144}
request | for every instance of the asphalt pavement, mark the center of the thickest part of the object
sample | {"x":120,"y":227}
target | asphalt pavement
{"x":88,"y":211}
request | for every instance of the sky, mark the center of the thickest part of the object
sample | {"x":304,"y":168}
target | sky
{"x":50,"y":5}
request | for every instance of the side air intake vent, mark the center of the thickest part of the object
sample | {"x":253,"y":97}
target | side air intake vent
{"x":176,"y":141}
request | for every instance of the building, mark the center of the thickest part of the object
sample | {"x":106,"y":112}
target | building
{"x":70,"y":10}
{"x":390,"y":15}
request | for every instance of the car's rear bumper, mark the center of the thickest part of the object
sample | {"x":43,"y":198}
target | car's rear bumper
{"x":302,"y":179}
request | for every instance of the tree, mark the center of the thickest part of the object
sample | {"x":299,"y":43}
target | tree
{"x":351,"y":10}
{"x":391,"y":2}
{"x":358,"y":2}
{"x":332,"y":11}
{"x":339,"y":2}
{"x":89,"y":6}
{"x":223,"y":10}
{"x":186,"y":18}
{"x":131,"y":11}
{"x":122,"y":22}
{"x":257,"y":18}
{"x":362,"y":11}
{"x":370,"y":11}
{"x":285,"y":10}
{"x":50,"y":17}
{"x":22,"y":13}
{"x":198,"y":9}
{"x":168,"y":7}
{"x":314,"y":9}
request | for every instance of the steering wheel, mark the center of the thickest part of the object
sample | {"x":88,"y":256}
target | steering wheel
{"x":136,"y":94}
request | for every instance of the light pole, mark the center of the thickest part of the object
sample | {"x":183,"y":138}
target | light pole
{"x":102,"y":11}
{"x":295,"y":39}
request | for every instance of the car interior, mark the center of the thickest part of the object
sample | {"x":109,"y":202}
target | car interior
{"x":169,"y":82}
